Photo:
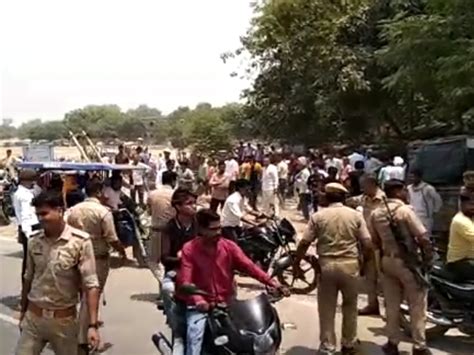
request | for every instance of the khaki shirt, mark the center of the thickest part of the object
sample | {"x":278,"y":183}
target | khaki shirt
{"x":57,"y":269}
{"x":337,"y":229}
{"x":159,"y":202}
{"x":370,"y":204}
{"x":380,"y":225}
{"x":97,"y":220}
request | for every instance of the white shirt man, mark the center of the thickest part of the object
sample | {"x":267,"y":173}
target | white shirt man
{"x":283,"y":170}
{"x":355,"y":157}
{"x":269,"y":188}
{"x":25,"y":213}
{"x":232,"y":169}
{"x":138,"y":175}
{"x":334,"y":162}
{"x":235,"y":207}
{"x":395,"y":171}
{"x":372,"y":164}
{"x":301,"y":181}
{"x":426,"y":201}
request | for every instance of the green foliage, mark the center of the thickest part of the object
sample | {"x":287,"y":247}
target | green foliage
{"x":7,"y":131}
{"x":358,"y":70}
{"x":206,"y":128}
{"x":38,"y":130}
{"x":431,"y":60}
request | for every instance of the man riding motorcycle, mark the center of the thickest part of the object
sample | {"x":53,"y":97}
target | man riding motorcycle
{"x":209,"y":262}
{"x":178,"y":231}
{"x":460,"y":257}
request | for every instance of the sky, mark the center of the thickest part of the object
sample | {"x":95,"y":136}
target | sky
{"x":59,"y":55}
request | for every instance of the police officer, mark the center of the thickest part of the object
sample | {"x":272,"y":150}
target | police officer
{"x":97,"y":220}
{"x":398,"y":279}
{"x":338,"y":231}
{"x":60,"y":262}
{"x":371,"y":199}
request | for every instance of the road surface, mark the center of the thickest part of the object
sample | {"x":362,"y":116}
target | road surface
{"x":131,"y":317}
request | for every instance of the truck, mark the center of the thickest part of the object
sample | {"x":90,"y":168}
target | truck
{"x":443,"y":162}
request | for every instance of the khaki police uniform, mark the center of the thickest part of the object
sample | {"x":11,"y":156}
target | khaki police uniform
{"x":97,"y":220}
{"x":57,"y":269}
{"x":398,"y":280}
{"x":159,"y":203}
{"x":337,"y":230}
{"x":371,"y":272}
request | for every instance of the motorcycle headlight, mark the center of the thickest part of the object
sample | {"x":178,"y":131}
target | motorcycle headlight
{"x":263,"y":344}
{"x":221,"y":340}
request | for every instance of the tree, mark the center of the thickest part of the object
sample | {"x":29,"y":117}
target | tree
{"x":430,"y":57}
{"x":97,"y":121}
{"x":358,"y":70}
{"x":7,"y":131}
{"x":38,"y":130}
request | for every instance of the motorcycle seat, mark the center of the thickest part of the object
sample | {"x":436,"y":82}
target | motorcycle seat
{"x":441,"y":271}
{"x":451,"y":282}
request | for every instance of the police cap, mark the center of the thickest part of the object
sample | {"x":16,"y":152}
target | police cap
{"x":335,"y":187}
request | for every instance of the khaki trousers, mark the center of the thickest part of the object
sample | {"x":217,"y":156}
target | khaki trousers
{"x":61,"y":333}
{"x":371,"y":278}
{"x":102,"y":269}
{"x":337,"y":275}
{"x":154,"y":258}
{"x":399,"y":282}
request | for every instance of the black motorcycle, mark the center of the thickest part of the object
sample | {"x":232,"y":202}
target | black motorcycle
{"x":249,"y":326}
{"x":7,"y":190}
{"x":450,"y":304}
{"x":270,"y":246}
{"x":131,"y":224}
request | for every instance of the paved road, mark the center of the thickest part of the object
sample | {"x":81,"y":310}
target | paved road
{"x":131,"y":316}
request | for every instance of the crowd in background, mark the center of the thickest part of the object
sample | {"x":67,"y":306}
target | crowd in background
{"x":274,"y":176}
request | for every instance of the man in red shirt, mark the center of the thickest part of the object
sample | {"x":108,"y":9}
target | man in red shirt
{"x":209,"y":262}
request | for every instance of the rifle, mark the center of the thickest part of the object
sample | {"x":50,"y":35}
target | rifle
{"x":408,"y":248}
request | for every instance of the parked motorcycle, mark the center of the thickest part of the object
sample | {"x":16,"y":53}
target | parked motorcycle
{"x":450,"y":304}
{"x":249,"y":326}
{"x":269,"y":246}
{"x":7,"y":189}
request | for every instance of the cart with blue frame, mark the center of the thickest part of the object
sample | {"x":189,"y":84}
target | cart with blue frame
{"x":131,"y":222}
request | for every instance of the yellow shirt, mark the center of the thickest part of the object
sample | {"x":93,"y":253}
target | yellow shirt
{"x":246,"y":170}
{"x":461,"y":238}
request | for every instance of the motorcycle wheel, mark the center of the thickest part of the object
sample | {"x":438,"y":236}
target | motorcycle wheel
{"x":309,"y":265}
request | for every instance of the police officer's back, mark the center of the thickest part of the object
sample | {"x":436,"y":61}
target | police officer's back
{"x":339,"y":231}
{"x":393,"y":226}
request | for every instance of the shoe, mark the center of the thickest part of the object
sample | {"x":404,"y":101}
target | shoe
{"x":424,"y":351}
{"x":370,"y":311}
{"x":349,"y":350}
{"x":390,"y":349}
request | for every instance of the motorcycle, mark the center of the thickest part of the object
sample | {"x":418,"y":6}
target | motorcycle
{"x":132,"y":225}
{"x":269,"y":246}
{"x":7,"y":189}
{"x":450,"y":304}
{"x":249,"y":326}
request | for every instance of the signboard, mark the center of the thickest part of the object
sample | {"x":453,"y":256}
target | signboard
{"x":38,"y":153}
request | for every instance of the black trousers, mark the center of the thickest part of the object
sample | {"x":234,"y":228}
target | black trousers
{"x":231,"y":233}
{"x":463,"y":268}
{"x":23,"y":240}
{"x":215,"y":203}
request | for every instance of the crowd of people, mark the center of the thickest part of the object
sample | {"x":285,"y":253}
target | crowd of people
{"x":347,"y":200}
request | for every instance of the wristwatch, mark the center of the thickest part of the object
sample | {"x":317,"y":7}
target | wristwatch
{"x":94,"y":325}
